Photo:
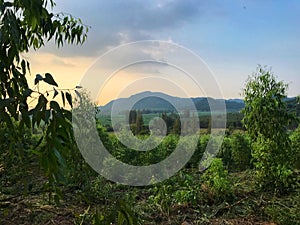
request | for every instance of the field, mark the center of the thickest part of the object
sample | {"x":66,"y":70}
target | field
{"x":227,"y":193}
{"x":61,"y":165}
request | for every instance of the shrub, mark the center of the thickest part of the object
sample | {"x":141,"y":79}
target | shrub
{"x":225,"y":152}
{"x":216,"y":178}
{"x":266,"y":119}
{"x":295,"y":139}
{"x":241,"y":151}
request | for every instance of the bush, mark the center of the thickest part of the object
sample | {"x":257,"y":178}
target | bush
{"x":295,"y":139}
{"x":266,"y":119}
{"x":201,"y":146}
{"x":273,"y":171}
{"x":241,"y":151}
{"x":225,"y":152}
{"x":216,"y":178}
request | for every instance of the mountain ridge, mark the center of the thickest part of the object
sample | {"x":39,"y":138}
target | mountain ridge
{"x":158,"y":101}
{"x":161,"y":102}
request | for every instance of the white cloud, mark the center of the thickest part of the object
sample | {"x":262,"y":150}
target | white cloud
{"x":117,"y":22}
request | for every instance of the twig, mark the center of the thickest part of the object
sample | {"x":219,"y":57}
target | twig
{"x":236,"y":203}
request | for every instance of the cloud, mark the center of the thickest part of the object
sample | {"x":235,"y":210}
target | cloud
{"x":61,"y":62}
{"x":116,"y":22}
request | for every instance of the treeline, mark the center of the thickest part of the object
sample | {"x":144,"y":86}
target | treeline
{"x":172,"y":120}
{"x":138,"y":127}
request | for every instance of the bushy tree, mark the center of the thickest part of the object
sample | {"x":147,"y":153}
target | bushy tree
{"x":266,"y":119}
{"x":295,"y":139}
{"x":139,"y":123}
{"x":27,"y":25}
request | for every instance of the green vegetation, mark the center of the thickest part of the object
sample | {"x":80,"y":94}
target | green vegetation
{"x":227,"y":194}
{"x":44,"y":179}
{"x":266,"y":119}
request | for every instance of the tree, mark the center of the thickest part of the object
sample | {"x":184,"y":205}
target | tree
{"x":266,"y":119}
{"x":295,"y":139}
{"x":177,"y":126}
{"x":132,"y":116}
{"x":26,"y":25}
{"x":139,"y":123}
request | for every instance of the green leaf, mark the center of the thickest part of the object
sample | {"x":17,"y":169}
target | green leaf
{"x":47,"y":116}
{"x":38,"y":78}
{"x":38,"y":144}
{"x":7,"y":119}
{"x":55,"y":93}
{"x":60,"y":158}
{"x":27,"y":93}
{"x":39,"y":117}
{"x":27,"y":120}
{"x":41,"y":102}
{"x":79,"y":96}
{"x":6,"y":102}
{"x":54,"y":105}
{"x":69,"y":98}
{"x":63,"y":98}
{"x":49,"y":79}
{"x":23,"y":65}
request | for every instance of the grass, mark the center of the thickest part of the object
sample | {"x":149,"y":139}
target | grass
{"x":156,"y":204}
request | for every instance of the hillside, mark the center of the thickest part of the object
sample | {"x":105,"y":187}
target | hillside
{"x":156,"y":101}
{"x":160,"y":102}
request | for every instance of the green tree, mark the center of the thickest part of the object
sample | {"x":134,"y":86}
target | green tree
{"x":177,"y":126}
{"x":266,"y":119}
{"x":295,"y":138}
{"x":139,"y":123}
{"x":26,"y":25}
{"x":132,"y":116}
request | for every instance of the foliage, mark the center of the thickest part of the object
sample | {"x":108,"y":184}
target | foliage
{"x":226,"y":153}
{"x":119,"y":213}
{"x":266,"y":119}
{"x":14,"y":167}
{"x":241,"y":151}
{"x":131,"y":156}
{"x":236,"y":151}
{"x":189,"y":189}
{"x":201,"y":146}
{"x":136,"y":122}
{"x":295,"y":139}
{"x":217,"y":180}
{"x":26,"y":25}
{"x":36,"y":132}
{"x":183,"y":189}
{"x":284,"y":211}
{"x":94,"y":200}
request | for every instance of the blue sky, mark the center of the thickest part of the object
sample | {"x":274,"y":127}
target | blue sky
{"x":231,"y":36}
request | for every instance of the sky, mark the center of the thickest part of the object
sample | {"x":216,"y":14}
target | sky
{"x":230,"y":36}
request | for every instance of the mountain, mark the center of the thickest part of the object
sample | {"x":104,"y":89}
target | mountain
{"x":158,"y":102}
{"x":293,"y":105}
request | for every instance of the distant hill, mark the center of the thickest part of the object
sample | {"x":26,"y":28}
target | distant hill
{"x":158,"y":102}
{"x":293,"y":105}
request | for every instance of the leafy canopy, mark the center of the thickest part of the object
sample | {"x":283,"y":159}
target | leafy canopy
{"x":266,"y":119}
{"x":27,"y":25}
